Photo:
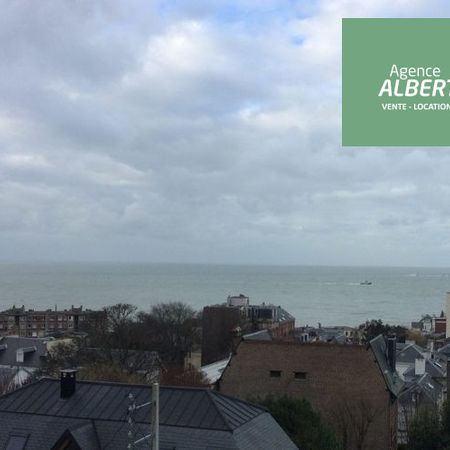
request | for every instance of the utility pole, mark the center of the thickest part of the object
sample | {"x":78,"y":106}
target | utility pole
{"x":155,"y":416}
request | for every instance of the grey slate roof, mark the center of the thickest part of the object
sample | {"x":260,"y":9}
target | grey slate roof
{"x":409,"y":353}
{"x":431,"y":368}
{"x":190,"y":418}
{"x":332,"y":334}
{"x":11,"y":344}
{"x":400,"y":346}
{"x":445,"y":350}
{"x":393,"y":381}
{"x":430,"y":390}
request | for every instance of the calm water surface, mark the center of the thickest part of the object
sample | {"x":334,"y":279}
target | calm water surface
{"x":330,"y":295}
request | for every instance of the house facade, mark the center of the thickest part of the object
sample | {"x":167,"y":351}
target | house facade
{"x":32,"y":323}
{"x":355,"y":388}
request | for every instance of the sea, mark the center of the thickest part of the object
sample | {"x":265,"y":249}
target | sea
{"x":325,"y":295}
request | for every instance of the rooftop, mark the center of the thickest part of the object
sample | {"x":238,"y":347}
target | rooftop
{"x":213,"y":371}
{"x":35,"y":350}
{"x":190,"y":418}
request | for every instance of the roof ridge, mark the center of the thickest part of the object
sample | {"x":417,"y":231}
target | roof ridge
{"x":228,"y":426}
{"x":214,"y":395}
{"x":114,"y":420}
{"x":238,"y":400}
{"x":133,"y":385}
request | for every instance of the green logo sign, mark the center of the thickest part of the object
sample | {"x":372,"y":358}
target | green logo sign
{"x":395,"y":82}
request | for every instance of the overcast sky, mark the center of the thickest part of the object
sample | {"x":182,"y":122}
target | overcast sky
{"x":202,"y":131}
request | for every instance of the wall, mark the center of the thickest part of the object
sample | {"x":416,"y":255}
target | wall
{"x":342,"y":382}
{"x":217,"y":325}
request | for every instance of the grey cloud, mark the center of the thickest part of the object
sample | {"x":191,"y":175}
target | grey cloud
{"x":138,"y":130}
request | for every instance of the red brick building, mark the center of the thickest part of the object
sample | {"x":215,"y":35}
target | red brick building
{"x":440,"y":324}
{"x":220,"y":321}
{"x":353,"y":387}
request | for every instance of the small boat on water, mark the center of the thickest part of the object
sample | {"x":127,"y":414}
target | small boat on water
{"x":365,"y":283}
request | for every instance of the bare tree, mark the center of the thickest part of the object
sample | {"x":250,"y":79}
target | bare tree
{"x":177,"y":376}
{"x":119,"y":320}
{"x":61,"y":355}
{"x":171,"y":329}
{"x":352,"y":418}
{"x":363,"y":414}
{"x":7,"y":382}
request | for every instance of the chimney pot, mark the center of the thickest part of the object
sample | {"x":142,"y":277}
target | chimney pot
{"x":419,"y":366}
{"x":68,"y":382}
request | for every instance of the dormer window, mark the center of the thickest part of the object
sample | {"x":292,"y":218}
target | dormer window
{"x":17,"y":441}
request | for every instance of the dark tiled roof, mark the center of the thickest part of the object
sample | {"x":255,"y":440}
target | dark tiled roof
{"x":84,"y":435}
{"x":10,"y":346}
{"x":190,"y":418}
{"x":189,"y":407}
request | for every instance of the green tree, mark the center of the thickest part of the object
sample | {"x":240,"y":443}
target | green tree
{"x":425,"y":432}
{"x":445,"y":423}
{"x":372,"y":328}
{"x":301,"y":423}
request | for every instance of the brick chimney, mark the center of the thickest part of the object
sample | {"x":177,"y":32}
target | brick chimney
{"x":68,"y":382}
{"x":391,"y":352}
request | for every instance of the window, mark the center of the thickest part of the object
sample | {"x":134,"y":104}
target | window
{"x":300,"y":375}
{"x":275,"y":373}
